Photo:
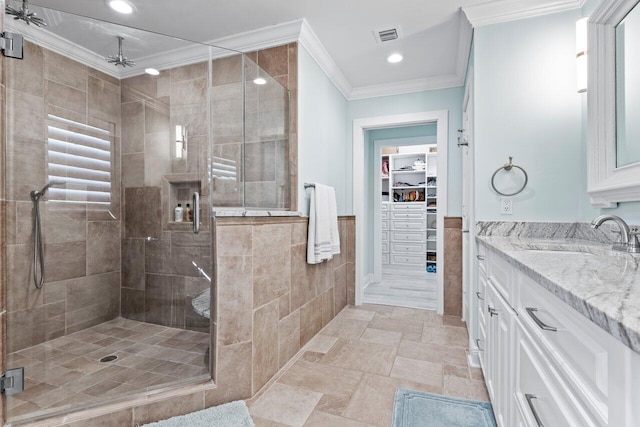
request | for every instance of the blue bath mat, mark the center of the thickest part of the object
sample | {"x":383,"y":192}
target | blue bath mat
{"x":234,"y":414}
{"x":417,"y":408}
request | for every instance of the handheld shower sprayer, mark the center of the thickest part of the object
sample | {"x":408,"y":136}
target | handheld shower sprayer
{"x":38,"y":246}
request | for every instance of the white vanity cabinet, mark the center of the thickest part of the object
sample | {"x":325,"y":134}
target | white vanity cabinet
{"x":544,"y":363}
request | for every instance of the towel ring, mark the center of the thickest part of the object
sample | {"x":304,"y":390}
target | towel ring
{"x":508,"y":167}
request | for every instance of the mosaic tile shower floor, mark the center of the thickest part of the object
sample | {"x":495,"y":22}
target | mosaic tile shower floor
{"x":67,"y":371}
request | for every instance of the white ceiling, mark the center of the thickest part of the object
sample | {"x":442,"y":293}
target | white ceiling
{"x":435,"y":42}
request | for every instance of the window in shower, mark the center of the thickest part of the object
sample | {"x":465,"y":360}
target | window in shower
{"x":80,"y":156}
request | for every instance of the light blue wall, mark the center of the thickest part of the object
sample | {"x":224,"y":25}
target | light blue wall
{"x":443,"y":99}
{"x":527,"y":106}
{"x":322,"y":112}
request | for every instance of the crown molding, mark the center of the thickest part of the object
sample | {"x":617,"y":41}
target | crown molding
{"x":310,"y":41}
{"x":407,"y":86}
{"x":57,"y":44}
{"x":498,"y":11}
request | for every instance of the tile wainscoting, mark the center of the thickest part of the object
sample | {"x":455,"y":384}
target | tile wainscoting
{"x":453,"y":266}
{"x":268,"y":304}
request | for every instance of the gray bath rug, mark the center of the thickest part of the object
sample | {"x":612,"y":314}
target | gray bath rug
{"x":233,"y":414}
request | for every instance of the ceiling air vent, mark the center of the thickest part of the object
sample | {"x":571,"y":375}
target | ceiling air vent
{"x":387,"y":34}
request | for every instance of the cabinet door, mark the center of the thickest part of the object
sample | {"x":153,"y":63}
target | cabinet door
{"x":499,"y":355}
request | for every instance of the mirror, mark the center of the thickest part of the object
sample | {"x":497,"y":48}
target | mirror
{"x":628,"y":89}
{"x":614,"y":103}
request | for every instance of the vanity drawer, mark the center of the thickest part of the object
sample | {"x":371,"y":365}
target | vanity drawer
{"x":398,"y":236}
{"x":408,"y":225}
{"x":482,"y":258}
{"x":385,"y":207}
{"x":413,"y":248}
{"x":577,"y":347}
{"x":385,"y":224}
{"x":385,"y":247}
{"x":408,"y":259}
{"x":407,"y":206}
{"x":499,"y":273}
{"x":385,"y":236}
{"x":481,"y":296}
{"x":385,"y":215}
{"x":409,"y":214}
{"x":540,"y":398}
{"x":385,"y":258}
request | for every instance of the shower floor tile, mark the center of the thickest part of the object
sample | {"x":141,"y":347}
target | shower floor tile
{"x":66,"y":372}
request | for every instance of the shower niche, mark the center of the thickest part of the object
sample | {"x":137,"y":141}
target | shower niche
{"x":179,"y":189}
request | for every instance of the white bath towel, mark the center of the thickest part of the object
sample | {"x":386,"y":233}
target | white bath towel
{"x":323,"y":237}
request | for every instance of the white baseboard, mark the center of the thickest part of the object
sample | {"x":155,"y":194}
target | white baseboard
{"x":368,"y":279}
{"x":473,"y":358}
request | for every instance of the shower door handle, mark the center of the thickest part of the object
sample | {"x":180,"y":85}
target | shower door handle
{"x":196,"y":213}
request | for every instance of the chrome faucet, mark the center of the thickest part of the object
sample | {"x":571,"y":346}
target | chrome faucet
{"x":628,"y":236}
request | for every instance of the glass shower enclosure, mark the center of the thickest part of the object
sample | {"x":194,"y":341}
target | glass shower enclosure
{"x":137,"y":156}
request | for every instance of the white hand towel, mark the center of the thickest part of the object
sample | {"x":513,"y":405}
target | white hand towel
{"x":323,"y":237}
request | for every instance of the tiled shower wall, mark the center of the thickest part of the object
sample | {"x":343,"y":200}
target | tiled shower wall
{"x":159,"y":279}
{"x":270,"y":302}
{"x":82,"y":250}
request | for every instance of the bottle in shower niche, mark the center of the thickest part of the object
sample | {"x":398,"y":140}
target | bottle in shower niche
{"x":178,"y":215}
{"x":188,"y":213}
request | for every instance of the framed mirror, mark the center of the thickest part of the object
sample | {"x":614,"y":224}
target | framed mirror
{"x":614,"y":103}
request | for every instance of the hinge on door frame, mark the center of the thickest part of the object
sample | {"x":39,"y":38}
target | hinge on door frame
{"x":11,"y":44}
{"x":12,"y":381}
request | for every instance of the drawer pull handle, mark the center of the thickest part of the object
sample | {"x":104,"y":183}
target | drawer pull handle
{"x":529,"y":398}
{"x":480,"y":257}
{"x":539,"y":322}
{"x":492,"y":311}
{"x":478,"y":344}
{"x":479,"y":297}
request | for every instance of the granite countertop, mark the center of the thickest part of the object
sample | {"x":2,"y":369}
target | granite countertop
{"x":601,"y":284}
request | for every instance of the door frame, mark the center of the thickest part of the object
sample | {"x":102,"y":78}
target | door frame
{"x":441,"y":119}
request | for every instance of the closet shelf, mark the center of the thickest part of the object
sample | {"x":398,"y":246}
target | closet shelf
{"x":408,"y":187}
{"x":408,"y":171}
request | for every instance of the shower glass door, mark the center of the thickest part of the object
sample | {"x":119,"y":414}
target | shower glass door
{"x":125,"y":304}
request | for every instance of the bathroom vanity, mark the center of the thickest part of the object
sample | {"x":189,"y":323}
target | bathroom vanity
{"x":559,"y":329}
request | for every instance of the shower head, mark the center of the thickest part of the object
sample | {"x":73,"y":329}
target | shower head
{"x":24,"y":14}
{"x":120,"y":59}
{"x":35,"y":194}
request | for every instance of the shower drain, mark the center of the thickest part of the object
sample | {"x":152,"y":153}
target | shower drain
{"x":109,"y":358}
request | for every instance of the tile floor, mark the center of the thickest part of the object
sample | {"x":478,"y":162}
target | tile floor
{"x":347,"y":374}
{"x":403,"y":292}
{"x":66,"y":372}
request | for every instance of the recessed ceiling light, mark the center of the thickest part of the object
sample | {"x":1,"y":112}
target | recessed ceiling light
{"x":152,"y":71}
{"x":394,"y":58}
{"x":260,"y":81}
{"x":120,"y":6}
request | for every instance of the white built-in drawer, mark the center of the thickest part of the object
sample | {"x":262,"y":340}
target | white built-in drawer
{"x":385,"y":236}
{"x":482,"y":258}
{"x":481,"y":296}
{"x":408,"y":214}
{"x":540,"y":398}
{"x":576,"y":344}
{"x":385,"y":258}
{"x":408,"y":225}
{"x":408,"y":259}
{"x":414,"y":248}
{"x":407,"y":206}
{"x":385,"y":224}
{"x":385,"y":215}
{"x":481,"y":343}
{"x":385,"y":247}
{"x":399,"y":236}
{"x":385,"y":207}
{"x":499,"y":273}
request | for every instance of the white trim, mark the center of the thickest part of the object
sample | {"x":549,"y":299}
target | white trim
{"x":441,"y":118}
{"x":607,"y":183}
{"x":465,"y":35}
{"x":498,"y":11}
{"x":368,"y":279}
{"x":310,"y":41}
{"x":57,"y":44}
{"x":407,"y":86}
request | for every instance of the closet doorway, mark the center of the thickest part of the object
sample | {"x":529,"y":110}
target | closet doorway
{"x":405,"y":178}
{"x":389,"y":270}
